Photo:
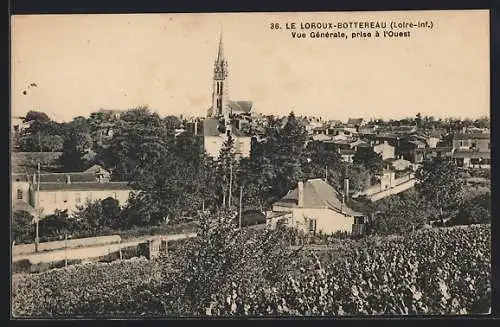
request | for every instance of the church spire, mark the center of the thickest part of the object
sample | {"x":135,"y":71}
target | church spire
{"x":220,"y":52}
{"x":220,"y":88}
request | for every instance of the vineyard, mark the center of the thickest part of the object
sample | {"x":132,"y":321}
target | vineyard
{"x":432,"y":271}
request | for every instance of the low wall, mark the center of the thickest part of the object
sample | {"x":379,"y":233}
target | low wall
{"x":393,"y":190}
{"x":22,"y":249}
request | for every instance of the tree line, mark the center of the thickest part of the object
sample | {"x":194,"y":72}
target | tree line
{"x":174,"y":178}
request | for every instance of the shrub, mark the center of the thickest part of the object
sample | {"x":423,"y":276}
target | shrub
{"x":253,"y":273}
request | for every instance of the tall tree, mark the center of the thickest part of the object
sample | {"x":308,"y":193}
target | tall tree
{"x":440,"y":181}
{"x":370,"y":159}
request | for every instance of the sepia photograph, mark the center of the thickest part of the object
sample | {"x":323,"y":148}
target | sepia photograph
{"x":314,"y":164}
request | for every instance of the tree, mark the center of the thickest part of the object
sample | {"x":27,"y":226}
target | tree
{"x":33,"y":115}
{"x":41,"y":142}
{"x":215,"y":272}
{"x":474,"y":211}
{"x":172,"y":123}
{"x":22,"y":228}
{"x":54,"y":226}
{"x":418,"y":119}
{"x":226,"y":169}
{"x":400,"y":214}
{"x":110,"y":212}
{"x":370,"y":159}
{"x":75,"y":147}
{"x":440,"y":182}
{"x":139,"y":136}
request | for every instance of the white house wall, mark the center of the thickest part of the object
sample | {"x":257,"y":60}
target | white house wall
{"x":213,"y":145}
{"x":50,"y":201}
{"x":24,"y":188}
{"x":385,"y":150}
{"x":327,"y":221}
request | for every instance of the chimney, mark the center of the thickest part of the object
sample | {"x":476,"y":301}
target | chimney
{"x":68,"y":179}
{"x":300,"y":194}
{"x":346,"y":189}
{"x":34,"y":178}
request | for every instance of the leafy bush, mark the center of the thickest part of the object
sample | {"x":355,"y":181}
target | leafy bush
{"x":231,"y":272}
{"x":475,"y":211}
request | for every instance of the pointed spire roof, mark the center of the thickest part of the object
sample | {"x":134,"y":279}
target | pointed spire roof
{"x":220,"y":52}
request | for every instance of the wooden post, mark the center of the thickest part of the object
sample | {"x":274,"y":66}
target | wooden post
{"x":37,"y":212}
{"x":223,"y":197}
{"x":120,"y":249}
{"x":66,"y":250}
{"x":230,"y":183}
{"x":241,"y":204}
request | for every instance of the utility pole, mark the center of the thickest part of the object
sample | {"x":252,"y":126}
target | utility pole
{"x":326,"y":174}
{"x":223,"y":196}
{"x":37,"y":211}
{"x":66,"y":248}
{"x":230,"y":182}
{"x":241,"y":204}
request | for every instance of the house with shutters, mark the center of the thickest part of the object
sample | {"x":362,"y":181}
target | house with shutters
{"x":315,"y":207}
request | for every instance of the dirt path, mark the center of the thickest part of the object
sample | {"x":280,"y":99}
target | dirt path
{"x":91,"y":252}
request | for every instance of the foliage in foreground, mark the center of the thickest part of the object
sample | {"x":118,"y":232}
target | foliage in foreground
{"x":434,"y":271}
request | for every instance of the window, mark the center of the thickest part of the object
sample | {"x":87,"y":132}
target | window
{"x":312,"y":226}
{"x":359,"y":220}
{"x":19,"y":194}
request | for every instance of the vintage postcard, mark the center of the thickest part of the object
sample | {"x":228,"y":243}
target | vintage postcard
{"x":250,"y":164}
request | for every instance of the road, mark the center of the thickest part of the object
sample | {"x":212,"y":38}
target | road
{"x":91,"y":252}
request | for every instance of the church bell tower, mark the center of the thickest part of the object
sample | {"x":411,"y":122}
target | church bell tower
{"x":220,"y":87}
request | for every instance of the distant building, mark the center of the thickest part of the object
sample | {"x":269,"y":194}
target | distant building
{"x":216,"y":132}
{"x":356,"y":122}
{"x":222,"y":120}
{"x":221,"y":104}
{"x":313,"y":207}
{"x":472,"y":150}
{"x":385,"y":150}
{"x":18,"y":125}
{"x":412,"y":150}
{"x":472,"y":141}
{"x":65,"y":191}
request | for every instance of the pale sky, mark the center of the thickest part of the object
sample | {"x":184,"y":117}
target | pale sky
{"x":82,"y":63}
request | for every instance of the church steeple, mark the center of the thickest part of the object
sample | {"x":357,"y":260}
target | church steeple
{"x":220,"y":87}
{"x":220,"y":52}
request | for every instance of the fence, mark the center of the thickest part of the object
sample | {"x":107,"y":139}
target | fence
{"x":23,"y":249}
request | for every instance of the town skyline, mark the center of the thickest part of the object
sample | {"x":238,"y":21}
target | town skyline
{"x":79,"y":69}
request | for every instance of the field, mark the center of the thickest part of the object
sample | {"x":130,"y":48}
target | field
{"x":433,"y":271}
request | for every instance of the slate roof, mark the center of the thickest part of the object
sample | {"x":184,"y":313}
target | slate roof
{"x":240,"y":106}
{"x":472,"y":136}
{"x":62,"y":177}
{"x":23,"y":206}
{"x":471,"y":154}
{"x":354,"y":121}
{"x":318,"y":194}
{"x":321,"y":137}
{"x":84,"y":186}
{"x":210,"y":128}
